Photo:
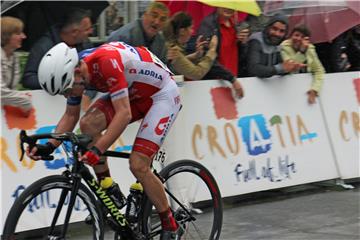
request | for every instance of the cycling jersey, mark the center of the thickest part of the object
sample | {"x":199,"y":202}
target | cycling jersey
{"x":116,"y":67}
{"x":122,"y":70}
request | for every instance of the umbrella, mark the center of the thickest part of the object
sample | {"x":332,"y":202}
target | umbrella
{"x":247,"y":6}
{"x":200,"y":9}
{"x":325,"y":19}
{"x":39,"y":16}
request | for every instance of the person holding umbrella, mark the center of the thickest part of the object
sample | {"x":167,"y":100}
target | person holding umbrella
{"x":221,"y":24}
{"x":299,"y":49}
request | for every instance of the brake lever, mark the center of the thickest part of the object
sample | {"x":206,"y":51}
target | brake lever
{"x":25,"y":139}
{"x":21,"y":136}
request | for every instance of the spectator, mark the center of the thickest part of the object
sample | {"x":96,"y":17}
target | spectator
{"x":243,"y":33}
{"x":111,"y":14}
{"x":333,"y":54}
{"x":299,"y":49}
{"x":177,"y":33}
{"x":74,"y":31}
{"x":353,"y":48}
{"x":194,"y":66}
{"x":146,"y":31}
{"x":12,"y":36}
{"x":264,"y":56}
{"x":221,"y":24}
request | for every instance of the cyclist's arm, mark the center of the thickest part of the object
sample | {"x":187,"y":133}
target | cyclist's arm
{"x":69,"y":119}
{"x":66,"y":124}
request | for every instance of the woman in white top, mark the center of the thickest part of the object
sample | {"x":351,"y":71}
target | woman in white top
{"x":12,"y":36}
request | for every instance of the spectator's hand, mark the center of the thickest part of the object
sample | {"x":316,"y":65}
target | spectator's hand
{"x":25,"y":112}
{"x":292,"y":66}
{"x":213,"y":43}
{"x":312,"y":94}
{"x":305,"y":44}
{"x":200,"y":44}
{"x":238,"y":88}
{"x":344,"y":58}
{"x":173,"y":53}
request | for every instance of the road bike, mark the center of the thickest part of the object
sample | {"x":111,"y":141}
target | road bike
{"x":60,"y":202}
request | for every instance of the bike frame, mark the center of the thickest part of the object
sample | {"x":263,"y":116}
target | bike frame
{"x":79,"y":171}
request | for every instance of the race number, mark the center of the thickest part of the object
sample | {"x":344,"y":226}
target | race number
{"x":160,"y":156}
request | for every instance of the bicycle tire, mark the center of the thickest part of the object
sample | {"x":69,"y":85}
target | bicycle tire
{"x":38,"y":189}
{"x":208,"y":211}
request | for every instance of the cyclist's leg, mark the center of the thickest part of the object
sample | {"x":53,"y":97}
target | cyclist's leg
{"x":96,"y":120}
{"x":152,"y":132}
{"x":140,"y":167}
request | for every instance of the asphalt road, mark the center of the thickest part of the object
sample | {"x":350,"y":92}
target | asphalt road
{"x":315,"y":212}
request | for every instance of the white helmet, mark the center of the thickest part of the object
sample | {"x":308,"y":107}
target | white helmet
{"x":56,"y":69}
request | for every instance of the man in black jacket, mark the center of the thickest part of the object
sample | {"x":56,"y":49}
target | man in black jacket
{"x":264,"y":58}
{"x":74,"y":31}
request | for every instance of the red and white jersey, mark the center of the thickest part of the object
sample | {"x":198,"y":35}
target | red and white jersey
{"x":123,"y":70}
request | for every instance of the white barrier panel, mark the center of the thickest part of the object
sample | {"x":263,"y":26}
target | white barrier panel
{"x":340,"y":99}
{"x":270,"y":139}
{"x":18,"y":175}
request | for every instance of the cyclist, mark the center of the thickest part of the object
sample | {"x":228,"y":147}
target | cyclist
{"x":137,"y":86}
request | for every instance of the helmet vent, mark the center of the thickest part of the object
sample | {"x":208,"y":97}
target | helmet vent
{"x":63,"y":79}
{"x":53,"y":84}
{"x":44,"y":86}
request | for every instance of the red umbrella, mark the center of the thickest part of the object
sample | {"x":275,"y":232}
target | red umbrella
{"x":196,"y":10}
{"x":325,"y":19}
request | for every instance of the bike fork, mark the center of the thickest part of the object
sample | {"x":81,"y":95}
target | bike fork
{"x":58,"y":210}
{"x":75,"y":188}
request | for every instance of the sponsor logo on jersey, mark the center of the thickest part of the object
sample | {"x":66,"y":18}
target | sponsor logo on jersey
{"x":146,"y":73}
{"x":163,"y":126}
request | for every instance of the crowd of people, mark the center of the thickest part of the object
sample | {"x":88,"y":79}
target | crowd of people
{"x":220,"y":49}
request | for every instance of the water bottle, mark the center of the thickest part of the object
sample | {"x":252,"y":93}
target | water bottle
{"x":114,"y":192}
{"x":133,"y":202}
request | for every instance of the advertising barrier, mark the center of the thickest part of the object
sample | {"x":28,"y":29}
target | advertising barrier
{"x":272,"y":138}
{"x":340,"y":101}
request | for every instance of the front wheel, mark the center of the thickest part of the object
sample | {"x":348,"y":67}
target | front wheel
{"x":194,"y":198}
{"x":39,"y":212}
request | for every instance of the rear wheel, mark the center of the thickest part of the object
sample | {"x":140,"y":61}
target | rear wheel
{"x":195,"y":201}
{"x":34,"y":212}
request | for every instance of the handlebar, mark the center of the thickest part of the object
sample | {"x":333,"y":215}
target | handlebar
{"x":80,"y":140}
